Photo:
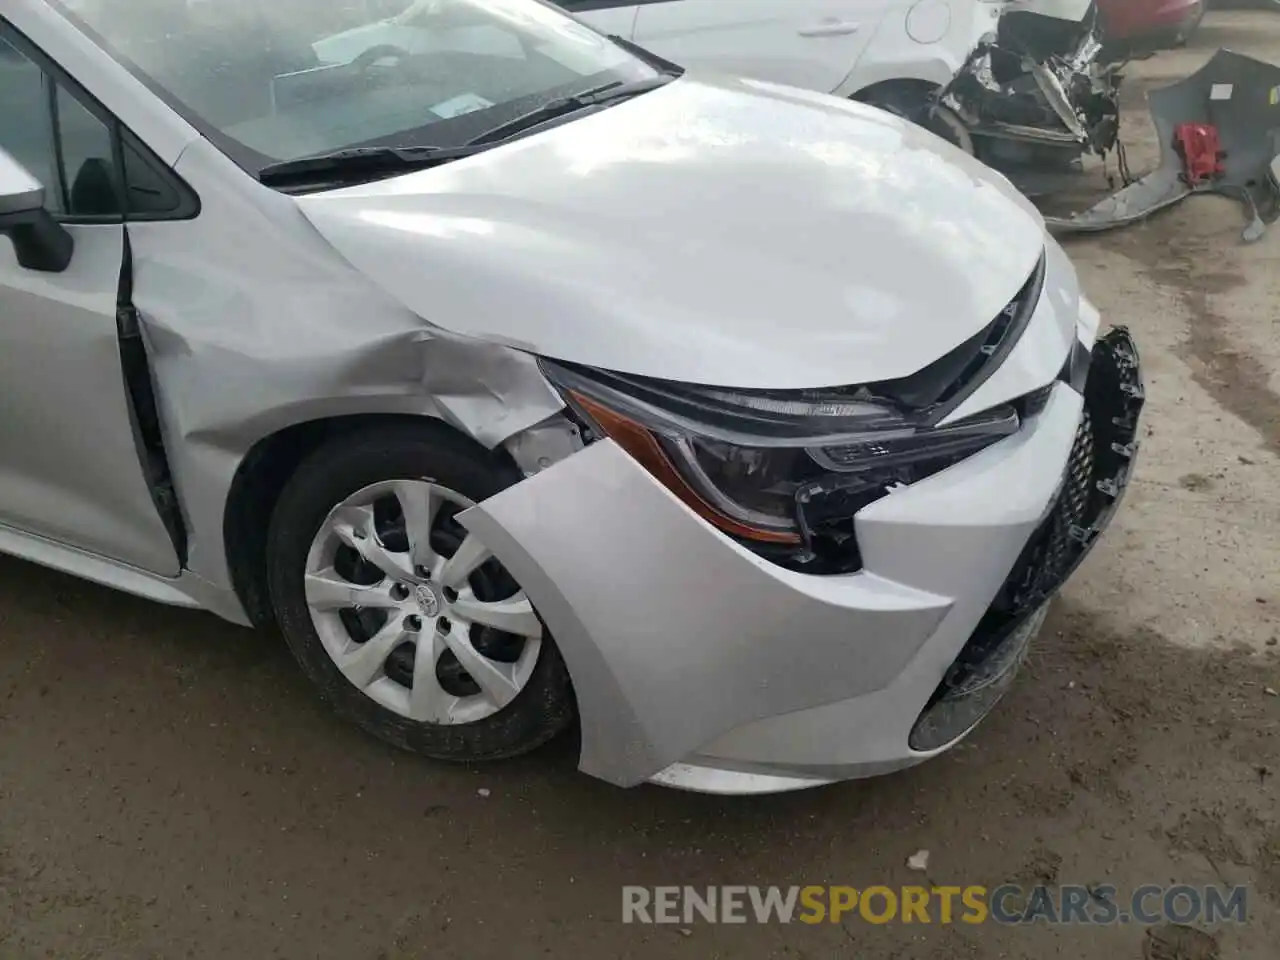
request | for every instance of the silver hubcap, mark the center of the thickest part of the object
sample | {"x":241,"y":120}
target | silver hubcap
{"x":414,"y":611}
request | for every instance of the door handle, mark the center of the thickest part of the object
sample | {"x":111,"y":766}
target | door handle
{"x":830,"y":28}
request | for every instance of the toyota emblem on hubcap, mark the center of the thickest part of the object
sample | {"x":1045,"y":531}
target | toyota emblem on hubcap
{"x":427,"y":600}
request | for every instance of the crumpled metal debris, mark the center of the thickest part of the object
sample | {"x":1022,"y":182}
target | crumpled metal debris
{"x":1240,"y":97}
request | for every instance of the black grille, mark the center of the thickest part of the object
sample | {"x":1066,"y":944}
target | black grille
{"x":1049,"y":560}
{"x":1096,"y":474}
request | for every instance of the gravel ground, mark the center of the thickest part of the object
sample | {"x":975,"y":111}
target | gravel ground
{"x":169,"y":787}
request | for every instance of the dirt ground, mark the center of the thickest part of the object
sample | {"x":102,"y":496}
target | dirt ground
{"x":170,"y":788}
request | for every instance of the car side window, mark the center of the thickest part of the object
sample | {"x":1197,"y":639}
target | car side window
{"x":71,"y":150}
{"x":26,"y":123}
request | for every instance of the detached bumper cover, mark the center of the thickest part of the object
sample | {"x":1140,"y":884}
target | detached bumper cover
{"x":1240,"y":97}
{"x":698,"y":664}
{"x":1095,"y":481}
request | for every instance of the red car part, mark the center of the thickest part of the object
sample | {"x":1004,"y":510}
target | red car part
{"x":1202,"y":155}
{"x":1141,"y":25}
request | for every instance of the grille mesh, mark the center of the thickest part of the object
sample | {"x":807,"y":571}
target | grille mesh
{"x":1050,"y":553}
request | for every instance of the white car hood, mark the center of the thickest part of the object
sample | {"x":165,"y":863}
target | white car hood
{"x":712,"y":231}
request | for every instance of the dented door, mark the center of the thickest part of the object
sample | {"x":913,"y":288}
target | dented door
{"x":69,"y":464}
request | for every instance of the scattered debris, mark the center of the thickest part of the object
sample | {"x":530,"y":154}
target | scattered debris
{"x":919,"y":860}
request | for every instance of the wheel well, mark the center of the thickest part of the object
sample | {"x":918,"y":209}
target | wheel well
{"x":257,"y":485}
{"x":908,"y":86}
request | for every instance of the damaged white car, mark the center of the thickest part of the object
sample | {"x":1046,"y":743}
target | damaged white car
{"x":1017,"y":83}
{"x":1021,"y":84}
{"x":752,"y":427}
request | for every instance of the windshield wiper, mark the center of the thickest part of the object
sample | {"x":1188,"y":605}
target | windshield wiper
{"x":360,"y":163}
{"x":356,"y":164}
{"x":562,"y":106}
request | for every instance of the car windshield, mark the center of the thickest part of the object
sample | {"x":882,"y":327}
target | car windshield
{"x":284,"y":79}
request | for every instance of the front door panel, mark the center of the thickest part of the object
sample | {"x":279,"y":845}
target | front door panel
{"x":69,"y":468}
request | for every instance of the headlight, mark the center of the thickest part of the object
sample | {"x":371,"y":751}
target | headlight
{"x":772,"y":467}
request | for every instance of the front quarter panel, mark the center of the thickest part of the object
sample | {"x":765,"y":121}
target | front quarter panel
{"x":254,"y":324}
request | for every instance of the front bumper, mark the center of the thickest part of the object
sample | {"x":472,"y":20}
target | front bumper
{"x":696,"y":664}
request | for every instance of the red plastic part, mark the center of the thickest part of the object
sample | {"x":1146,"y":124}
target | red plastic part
{"x":1197,"y":144}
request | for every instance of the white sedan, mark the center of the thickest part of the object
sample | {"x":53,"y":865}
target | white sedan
{"x":750,"y":426}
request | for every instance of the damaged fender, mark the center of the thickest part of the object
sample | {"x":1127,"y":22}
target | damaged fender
{"x":1239,"y":97}
{"x":315,"y":340}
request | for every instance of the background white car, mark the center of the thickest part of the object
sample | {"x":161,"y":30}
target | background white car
{"x":1013,"y":82}
{"x":845,"y":47}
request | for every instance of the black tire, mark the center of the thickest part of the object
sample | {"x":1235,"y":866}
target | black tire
{"x":335,"y":471}
{"x":908,"y":100}
{"x":913,"y":101}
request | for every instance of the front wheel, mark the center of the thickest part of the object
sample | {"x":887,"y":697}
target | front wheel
{"x":404,"y":620}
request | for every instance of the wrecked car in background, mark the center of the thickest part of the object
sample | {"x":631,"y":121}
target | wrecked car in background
{"x":1016,"y":83}
{"x":520,"y":386}
{"x":1035,"y":97}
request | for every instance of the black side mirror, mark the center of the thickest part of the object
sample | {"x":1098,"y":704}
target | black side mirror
{"x":39,"y":241}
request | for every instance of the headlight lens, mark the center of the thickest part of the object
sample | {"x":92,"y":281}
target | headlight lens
{"x":753,"y":463}
{"x":754,"y":485}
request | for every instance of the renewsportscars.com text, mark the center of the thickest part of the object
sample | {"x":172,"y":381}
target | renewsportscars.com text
{"x":1007,"y":904}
